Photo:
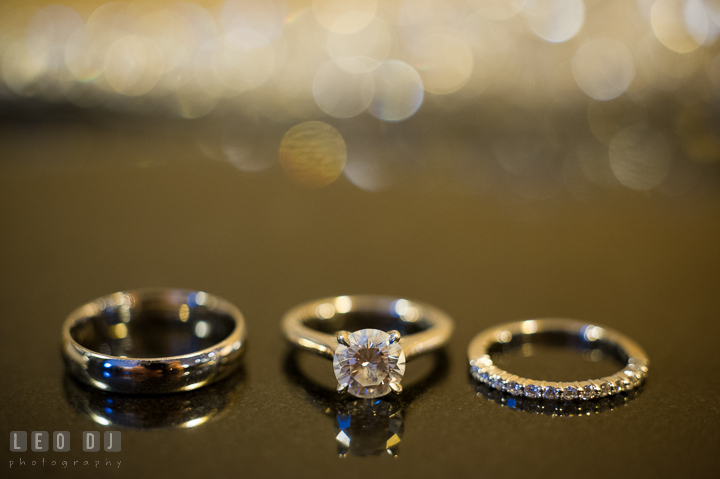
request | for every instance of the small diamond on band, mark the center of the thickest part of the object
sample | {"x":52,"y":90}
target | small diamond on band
{"x":590,"y":389}
{"x":514,"y":388}
{"x":551,"y":392}
{"x":570,"y":392}
{"x":533,"y":391}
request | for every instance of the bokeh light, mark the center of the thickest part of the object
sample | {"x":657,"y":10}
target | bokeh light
{"x":670,"y":27}
{"x":375,"y":41}
{"x":603,"y":68}
{"x":555,"y":20}
{"x":398,"y":91}
{"x":639,"y":76}
{"x":21,"y":66}
{"x":640,"y":157}
{"x":133,"y":65}
{"x":497,"y":9}
{"x":344,"y":16}
{"x":444,"y":62}
{"x":343,"y":92}
{"x":313,"y":154}
{"x":286,"y":59}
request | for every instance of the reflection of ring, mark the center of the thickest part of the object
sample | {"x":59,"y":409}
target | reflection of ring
{"x":153,"y":341}
{"x":366,"y":427}
{"x":559,"y":407}
{"x":368,"y":363}
{"x":142,"y":411}
{"x":566,"y":331}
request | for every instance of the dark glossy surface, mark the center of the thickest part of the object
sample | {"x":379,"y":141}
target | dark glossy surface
{"x":143,"y":207}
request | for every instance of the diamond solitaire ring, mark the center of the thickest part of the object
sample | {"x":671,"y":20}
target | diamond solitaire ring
{"x":562,"y":331}
{"x":370,"y":362}
{"x":153,"y":341}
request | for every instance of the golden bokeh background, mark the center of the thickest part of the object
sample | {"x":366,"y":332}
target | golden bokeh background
{"x":614,"y":92}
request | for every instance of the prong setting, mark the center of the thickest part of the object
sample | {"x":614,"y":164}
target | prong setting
{"x":369,"y":364}
{"x":343,"y":337}
{"x":396,"y":387}
{"x":342,"y":388}
{"x":394,"y":336}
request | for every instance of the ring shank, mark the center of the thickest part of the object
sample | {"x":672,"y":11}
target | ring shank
{"x":428,"y":328}
{"x":483,"y":369}
{"x":153,"y":341}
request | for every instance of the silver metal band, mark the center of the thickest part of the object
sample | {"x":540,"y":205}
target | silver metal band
{"x":153,"y":341}
{"x":483,"y":369}
{"x":433,"y":326}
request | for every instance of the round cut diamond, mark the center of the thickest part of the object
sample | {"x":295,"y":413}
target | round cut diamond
{"x":632,"y":377}
{"x":589,"y":391}
{"x":496,"y":382}
{"x":514,"y":388}
{"x":481,"y":375}
{"x":533,"y":391}
{"x":369,"y":364}
{"x":605,"y":388}
{"x":570,"y":392}
{"x":550,"y":393}
{"x":619,"y":384}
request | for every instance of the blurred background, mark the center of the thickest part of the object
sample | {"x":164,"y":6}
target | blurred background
{"x":514,"y":98}
{"x":499,"y":159}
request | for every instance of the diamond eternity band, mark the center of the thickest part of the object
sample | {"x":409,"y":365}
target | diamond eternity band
{"x":628,"y":351}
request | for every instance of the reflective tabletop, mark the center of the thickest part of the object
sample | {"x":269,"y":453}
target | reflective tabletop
{"x":160,"y":213}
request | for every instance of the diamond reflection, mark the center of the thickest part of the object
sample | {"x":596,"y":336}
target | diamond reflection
{"x":369,"y":427}
{"x":366,"y":427}
{"x":558,"y":408}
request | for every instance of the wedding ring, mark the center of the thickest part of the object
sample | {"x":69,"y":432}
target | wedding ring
{"x":568,"y":332}
{"x":559,"y":407}
{"x":370,"y":362}
{"x":153,"y":341}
